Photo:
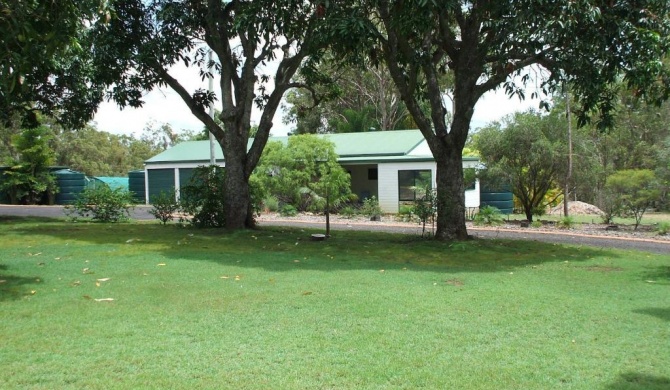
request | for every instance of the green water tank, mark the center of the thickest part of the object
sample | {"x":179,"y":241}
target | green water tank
{"x":70,"y":185}
{"x":499,"y":196}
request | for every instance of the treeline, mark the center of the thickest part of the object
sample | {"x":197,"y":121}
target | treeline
{"x":530,"y":151}
{"x":88,"y":150}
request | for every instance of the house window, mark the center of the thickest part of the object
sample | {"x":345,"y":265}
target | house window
{"x":373,"y":173}
{"x":412,"y":184}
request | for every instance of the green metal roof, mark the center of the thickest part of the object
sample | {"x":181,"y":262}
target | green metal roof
{"x":368,"y":145}
{"x":189,"y":151}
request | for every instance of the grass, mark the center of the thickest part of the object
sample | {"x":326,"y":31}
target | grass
{"x":271,"y":309}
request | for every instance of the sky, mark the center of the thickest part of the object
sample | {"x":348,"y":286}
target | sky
{"x":165,"y":106}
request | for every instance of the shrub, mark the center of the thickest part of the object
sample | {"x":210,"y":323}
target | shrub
{"x":164,"y":206}
{"x":371,"y":208}
{"x":202,"y":198}
{"x":288,"y":210}
{"x":536,"y":224}
{"x":489,"y":216}
{"x":348,"y":211}
{"x":663,"y":228}
{"x":271,"y":204}
{"x":405,"y":213}
{"x":539,"y":211}
{"x":102,"y":204}
{"x":566,"y":223}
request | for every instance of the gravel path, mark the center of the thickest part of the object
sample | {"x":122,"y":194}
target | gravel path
{"x":594,"y":236}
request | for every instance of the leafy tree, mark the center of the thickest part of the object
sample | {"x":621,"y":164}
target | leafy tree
{"x":303,"y":172}
{"x":28,"y":177}
{"x":145,"y":38}
{"x":492,"y":44}
{"x":635,"y":142}
{"x":99,"y":153}
{"x":527,"y":152}
{"x":44,"y":61}
{"x":635,"y":190}
{"x":159,"y":137}
{"x":203,"y":197}
{"x":358,"y":99}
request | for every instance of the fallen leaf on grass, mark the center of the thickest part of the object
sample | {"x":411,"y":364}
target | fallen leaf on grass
{"x":86,"y":271}
{"x":88,"y":297}
{"x":307,"y":293}
{"x":33,"y":292}
{"x":34,"y":254}
{"x":131,"y":240}
{"x":3,"y":281}
{"x":103,"y":279}
{"x":76,"y":283}
{"x":238,"y":277}
{"x":225,"y":277}
{"x":160,"y":264}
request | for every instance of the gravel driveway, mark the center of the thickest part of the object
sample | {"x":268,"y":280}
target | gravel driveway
{"x":661,"y":246}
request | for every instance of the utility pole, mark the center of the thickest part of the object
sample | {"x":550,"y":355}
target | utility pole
{"x":568,"y":176}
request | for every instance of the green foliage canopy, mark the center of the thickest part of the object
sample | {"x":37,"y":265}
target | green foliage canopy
{"x":635,"y":190}
{"x":302,"y":172}
{"x":28,"y":177}
{"x":509,"y":44}
{"x":526,"y":151}
{"x":44,"y":64}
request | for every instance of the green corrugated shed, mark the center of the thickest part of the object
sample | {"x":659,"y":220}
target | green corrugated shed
{"x":185,"y":175}
{"x":160,"y":180}
{"x":136,"y":185}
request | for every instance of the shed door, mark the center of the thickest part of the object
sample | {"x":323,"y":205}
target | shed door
{"x":160,"y":180}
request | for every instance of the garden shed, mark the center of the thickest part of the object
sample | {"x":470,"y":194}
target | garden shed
{"x":386,"y":164}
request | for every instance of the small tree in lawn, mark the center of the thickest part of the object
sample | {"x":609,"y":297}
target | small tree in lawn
{"x":425,"y":207}
{"x":636,"y":190}
{"x":296,"y":173}
{"x":304,"y":173}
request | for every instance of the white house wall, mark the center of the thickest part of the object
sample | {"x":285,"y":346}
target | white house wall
{"x":389,"y":198}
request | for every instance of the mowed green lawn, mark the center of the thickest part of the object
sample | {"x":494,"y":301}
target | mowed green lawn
{"x":142,"y":306}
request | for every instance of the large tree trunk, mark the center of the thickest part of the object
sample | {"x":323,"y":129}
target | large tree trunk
{"x":236,"y":194}
{"x":450,"y":196}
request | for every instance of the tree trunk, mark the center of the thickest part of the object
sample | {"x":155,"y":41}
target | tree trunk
{"x":450,"y":197}
{"x":236,"y":194}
